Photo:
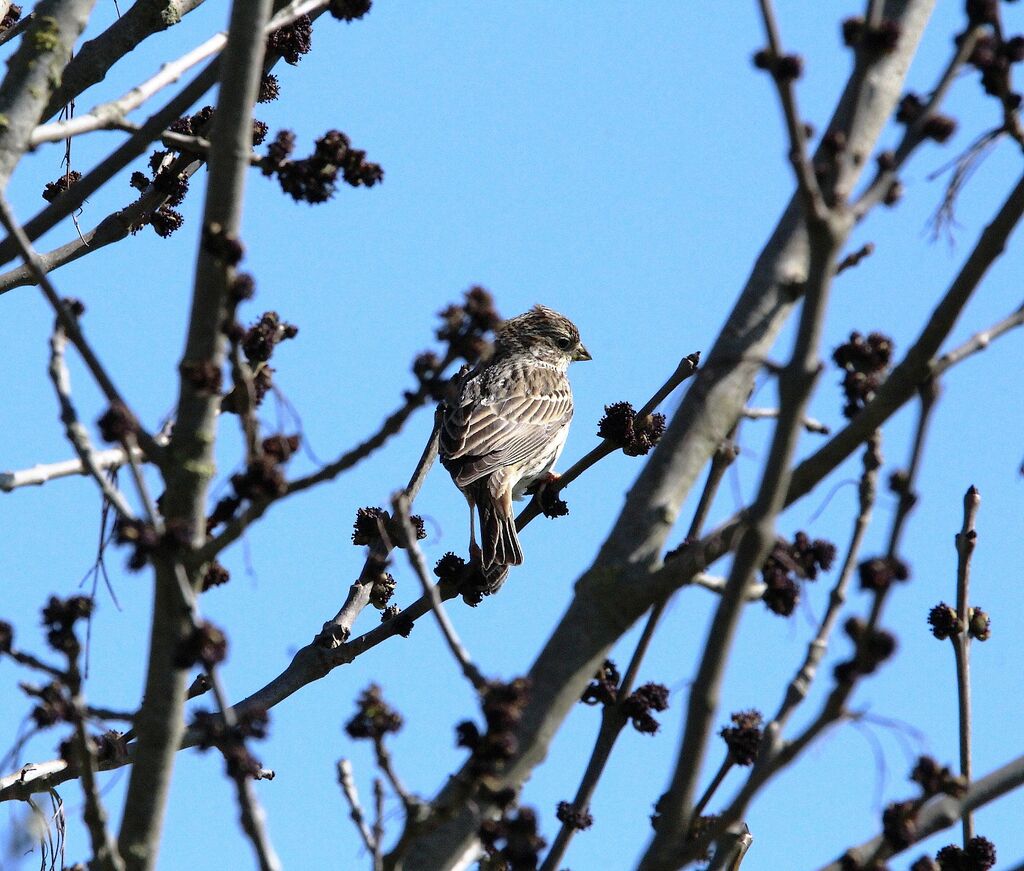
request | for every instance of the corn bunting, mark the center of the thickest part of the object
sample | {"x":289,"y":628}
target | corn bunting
{"x":507,"y":426}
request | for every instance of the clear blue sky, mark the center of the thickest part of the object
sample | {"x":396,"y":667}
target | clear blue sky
{"x":622,"y":163}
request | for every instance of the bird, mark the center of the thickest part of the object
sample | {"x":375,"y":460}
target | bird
{"x":506,"y":427}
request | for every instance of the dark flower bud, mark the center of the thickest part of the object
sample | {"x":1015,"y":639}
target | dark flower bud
{"x":54,"y":189}
{"x":604,"y":688}
{"x":937,"y":780}
{"x":349,"y":10}
{"x":939,"y":127}
{"x":899,"y":824}
{"x":943,"y":620}
{"x":270,"y":89}
{"x":638,"y":706}
{"x":621,"y":426}
{"x":292,"y":41}
{"x":6,"y":636}
{"x":281,"y":448}
{"x":117,"y":423}
{"x":568,"y":815}
{"x":374,"y":718}
{"x":449,"y":568}
{"x":139,"y":181}
{"x":467,"y":735}
{"x":215,"y":575}
{"x":853,"y":30}
{"x":789,"y":67}
{"x":743,"y":737}
{"x":206,"y":644}
{"x":909,"y":109}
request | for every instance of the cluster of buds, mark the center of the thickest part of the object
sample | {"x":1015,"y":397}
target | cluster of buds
{"x":866,"y":363}
{"x":994,"y":53}
{"x":314,"y":179}
{"x":743,"y":737}
{"x":881,"y":38}
{"x":935,"y":779}
{"x":878,"y":573}
{"x":872,"y":648}
{"x":374,"y":718}
{"x":213,"y":732}
{"x":634,"y":436}
{"x":787,"y":564}
{"x":785,"y":68}
{"x":945,"y":623}
{"x":59,"y":618}
{"x":263,"y":478}
{"x":258,"y":343}
{"x":206,"y":645}
{"x":937,"y":127}
{"x":55,"y":188}
{"x":568,"y":815}
{"x":503,"y":705}
{"x":978,"y":855}
{"x":464,"y":328}
{"x":292,"y":41}
{"x":514,"y":841}
{"x":467,"y":578}
{"x":636,"y":707}
{"x":372,"y":524}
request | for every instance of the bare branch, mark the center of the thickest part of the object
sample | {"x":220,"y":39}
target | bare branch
{"x":965,"y":543}
{"x":348,"y":787}
{"x":159,"y":722}
{"x":76,"y":433}
{"x":400,"y":504}
{"x":808,"y":423}
{"x":978,"y":342}
{"x":94,"y":59}
{"x":779,"y":67}
{"x":106,"y":460}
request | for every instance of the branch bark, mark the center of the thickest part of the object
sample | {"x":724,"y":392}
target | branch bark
{"x":159,"y":723}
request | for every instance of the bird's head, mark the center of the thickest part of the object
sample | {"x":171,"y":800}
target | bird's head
{"x":544,"y":333}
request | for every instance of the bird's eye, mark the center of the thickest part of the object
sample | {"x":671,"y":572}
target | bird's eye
{"x":564,"y":343}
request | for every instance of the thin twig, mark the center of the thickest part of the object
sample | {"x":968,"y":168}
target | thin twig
{"x":348,"y":787}
{"x":978,"y":342}
{"x":965,"y":543}
{"x":409,"y":801}
{"x":105,"y":460}
{"x":17,"y":28}
{"x":814,"y":202}
{"x":808,"y":423}
{"x":400,"y":504}
{"x":104,"y":847}
{"x":76,"y":433}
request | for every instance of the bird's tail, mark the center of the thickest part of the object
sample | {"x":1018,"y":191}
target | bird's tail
{"x":501,"y":547}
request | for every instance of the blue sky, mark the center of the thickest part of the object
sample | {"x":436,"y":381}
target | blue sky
{"x":624,"y":165}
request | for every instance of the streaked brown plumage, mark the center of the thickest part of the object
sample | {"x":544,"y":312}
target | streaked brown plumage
{"x":508,"y":426}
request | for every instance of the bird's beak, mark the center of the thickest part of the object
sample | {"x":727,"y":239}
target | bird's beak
{"x":581,"y":354}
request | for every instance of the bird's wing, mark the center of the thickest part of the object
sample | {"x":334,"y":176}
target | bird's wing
{"x":481,"y":435}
